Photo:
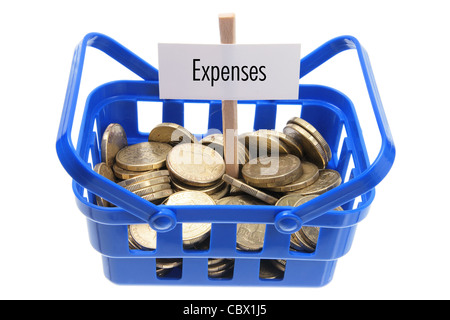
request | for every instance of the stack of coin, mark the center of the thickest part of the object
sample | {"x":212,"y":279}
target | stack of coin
{"x":306,"y":238}
{"x":270,"y":172}
{"x":153,"y":186}
{"x":196,"y":167}
{"x":249,"y":237}
{"x":193,"y":233}
{"x":272,"y":268}
{"x":104,"y":170}
{"x":220,"y":267}
{"x":315,"y":147}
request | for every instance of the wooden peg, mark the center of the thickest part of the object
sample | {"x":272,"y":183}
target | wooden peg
{"x":227,"y":26}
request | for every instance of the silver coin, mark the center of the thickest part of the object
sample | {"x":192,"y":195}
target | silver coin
{"x":279,"y":263}
{"x":168,"y":263}
{"x":288,"y":200}
{"x":328,"y":179}
{"x":250,"y":236}
{"x":269,"y":271}
{"x":143,"y":236}
{"x":220,"y":265}
{"x":225,"y":273}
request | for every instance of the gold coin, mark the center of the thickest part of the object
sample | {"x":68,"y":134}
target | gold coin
{"x":221,"y":192}
{"x":147,"y":183}
{"x":144,"y":176}
{"x":195,"y":164}
{"x":190,"y":198}
{"x":292,"y":146}
{"x":142,"y":236}
{"x":288,"y":200}
{"x":311,"y":129}
{"x":259,"y":143}
{"x":328,"y":179}
{"x":249,"y":189}
{"x":193,"y":233}
{"x":152,"y":189}
{"x":310,"y":174}
{"x":171,"y":133}
{"x":180,"y":186}
{"x":250,"y":236}
{"x":143,"y":156}
{"x":245,"y":200}
{"x":307,"y":237}
{"x":114,"y":138}
{"x":158,"y":195}
{"x":266,"y":172}
{"x":215,"y":141}
{"x":126,"y":174}
{"x":104,"y":170}
{"x":312,"y":149}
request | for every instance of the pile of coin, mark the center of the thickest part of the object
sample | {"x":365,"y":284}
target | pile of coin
{"x":174,"y":168}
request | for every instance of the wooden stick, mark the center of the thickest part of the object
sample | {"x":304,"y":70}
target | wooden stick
{"x":227,"y":26}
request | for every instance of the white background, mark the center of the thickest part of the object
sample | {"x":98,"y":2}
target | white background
{"x":400,"y":251}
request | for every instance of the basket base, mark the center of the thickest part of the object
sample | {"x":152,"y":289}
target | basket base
{"x":194,"y":271}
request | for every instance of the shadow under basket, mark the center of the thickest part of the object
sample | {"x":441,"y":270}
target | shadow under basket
{"x":330,"y":111}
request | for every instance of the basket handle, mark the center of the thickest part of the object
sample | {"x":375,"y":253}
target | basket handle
{"x":163,"y":220}
{"x":371,"y":174}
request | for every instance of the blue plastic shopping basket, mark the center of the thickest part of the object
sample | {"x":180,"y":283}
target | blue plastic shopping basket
{"x":327,"y":109}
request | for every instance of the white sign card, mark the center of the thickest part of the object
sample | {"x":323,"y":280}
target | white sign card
{"x":229,"y":71}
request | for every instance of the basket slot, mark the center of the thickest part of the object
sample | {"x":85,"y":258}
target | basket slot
{"x":286,"y":112}
{"x":215,"y":116}
{"x":173,"y":111}
{"x":265,"y":115}
{"x":123,"y":112}
{"x":149,"y":115}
